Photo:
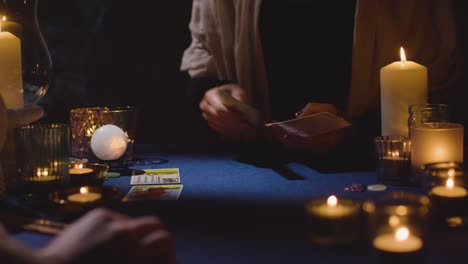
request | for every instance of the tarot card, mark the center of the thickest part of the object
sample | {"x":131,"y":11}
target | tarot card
{"x":153,"y":192}
{"x":157,"y":176}
{"x":312,"y":125}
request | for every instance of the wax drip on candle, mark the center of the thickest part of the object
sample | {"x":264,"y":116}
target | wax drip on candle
{"x":402,"y":55}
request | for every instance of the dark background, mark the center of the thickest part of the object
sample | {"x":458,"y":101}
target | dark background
{"x":115,"y":53}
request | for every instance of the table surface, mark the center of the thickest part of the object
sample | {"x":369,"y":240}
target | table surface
{"x":236,"y":208}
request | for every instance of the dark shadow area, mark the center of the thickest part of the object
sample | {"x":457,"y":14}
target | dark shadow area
{"x":114,"y":53}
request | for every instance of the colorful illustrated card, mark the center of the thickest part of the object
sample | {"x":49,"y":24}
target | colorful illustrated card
{"x":157,"y":176}
{"x":153,"y":192}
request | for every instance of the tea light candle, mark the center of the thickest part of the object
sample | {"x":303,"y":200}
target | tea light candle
{"x":80,"y":170}
{"x":402,"y":241}
{"x":84,"y":196}
{"x":402,"y":83}
{"x":42,"y":175}
{"x":332,"y":221}
{"x":449,"y":190}
{"x":109,"y":142}
{"x":435,"y":142}
{"x":332,"y":209}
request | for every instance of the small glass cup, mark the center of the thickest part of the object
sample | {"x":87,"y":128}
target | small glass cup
{"x":427,"y":113}
{"x":43,"y":156}
{"x":397,"y":224}
{"x":447,"y":187}
{"x":393,"y":160}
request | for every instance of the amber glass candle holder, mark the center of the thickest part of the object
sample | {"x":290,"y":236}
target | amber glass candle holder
{"x":43,"y":156}
{"x":397,"y":223}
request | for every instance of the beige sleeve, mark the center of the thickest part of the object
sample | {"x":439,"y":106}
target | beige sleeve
{"x":197,"y":59}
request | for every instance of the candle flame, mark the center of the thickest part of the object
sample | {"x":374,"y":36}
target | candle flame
{"x":402,"y":233}
{"x":402,"y":55}
{"x":83,"y":190}
{"x":80,"y":166}
{"x":450,"y":184}
{"x":332,"y":201}
{"x":395,"y":153}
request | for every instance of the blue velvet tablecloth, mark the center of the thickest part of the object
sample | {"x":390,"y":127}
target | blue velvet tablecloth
{"x":237,"y":208}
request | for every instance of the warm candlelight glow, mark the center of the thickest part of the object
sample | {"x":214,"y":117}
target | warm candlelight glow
{"x":451,"y":173}
{"x":83,"y":190}
{"x":332,"y":201}
{"x":3,"y":20}
{"x":449,"y":184}
{"x":401,"y":210}
{"x":84,"y":196}
{"x":393,"y":221}
{"x":402,"y":55}
{"x":402,"y":233}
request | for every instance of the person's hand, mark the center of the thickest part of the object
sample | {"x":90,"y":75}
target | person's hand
{"x":107,"y":237}
{"x":226,"y":110}
{"x":319,"y":145}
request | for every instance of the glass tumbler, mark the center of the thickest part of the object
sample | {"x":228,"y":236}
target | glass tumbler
{"x":43,"y":156}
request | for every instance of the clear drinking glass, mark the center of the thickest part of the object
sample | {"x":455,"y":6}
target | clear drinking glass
{"x":42,"y":157}
{"x":393,"y":160}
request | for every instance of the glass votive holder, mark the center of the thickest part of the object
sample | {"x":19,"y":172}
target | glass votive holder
{"x":435,"y":142}
{"x":446,"y":186}
{"x":333,"y":222}
{"x":43,"y":156}
{"x":84,"y":122}
{"x":397,"y":224}
{"x":393,"y":160}
{"x":427,"y":113}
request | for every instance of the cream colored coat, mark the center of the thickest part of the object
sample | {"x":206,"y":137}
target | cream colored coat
{"x":226,"y":45}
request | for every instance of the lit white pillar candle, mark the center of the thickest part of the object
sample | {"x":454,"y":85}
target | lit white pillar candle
{"x":11,"y":81}
{"x":402,"y":83}
{"x":435,"y":142}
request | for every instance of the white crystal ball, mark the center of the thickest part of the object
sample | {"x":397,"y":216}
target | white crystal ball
{"x":109,"y":142}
